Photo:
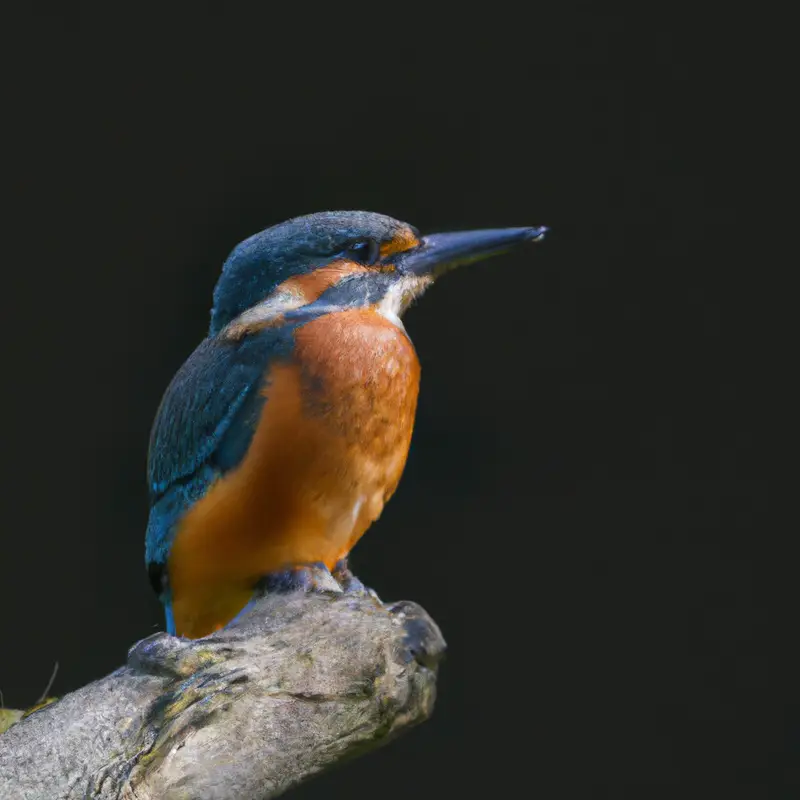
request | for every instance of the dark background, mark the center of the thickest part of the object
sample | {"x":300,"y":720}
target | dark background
{"x":585,"y":505}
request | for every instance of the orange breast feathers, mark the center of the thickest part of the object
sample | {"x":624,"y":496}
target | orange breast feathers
{"x":327,"y":453}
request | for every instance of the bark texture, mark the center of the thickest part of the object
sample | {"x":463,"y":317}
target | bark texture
{"x":297,"y":684}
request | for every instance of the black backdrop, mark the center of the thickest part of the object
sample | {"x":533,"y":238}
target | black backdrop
{"x":583,"y":507}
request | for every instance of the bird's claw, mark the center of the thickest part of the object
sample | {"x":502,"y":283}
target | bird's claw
{"x":351,"y":584}
{"x":305,"y":578}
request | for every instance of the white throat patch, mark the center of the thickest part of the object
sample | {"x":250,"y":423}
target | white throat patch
{"x":400,"y":296}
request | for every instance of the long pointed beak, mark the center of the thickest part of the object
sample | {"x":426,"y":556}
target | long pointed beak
{"x":440,"y":252}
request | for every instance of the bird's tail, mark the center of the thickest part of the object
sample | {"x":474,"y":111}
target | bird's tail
{"x":169,"y":615}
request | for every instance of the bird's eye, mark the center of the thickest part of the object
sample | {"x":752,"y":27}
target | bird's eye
{"x":366,"y":252}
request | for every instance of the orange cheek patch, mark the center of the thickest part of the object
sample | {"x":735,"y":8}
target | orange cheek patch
{"x":310,"y":286}
{"x":404,"y":240}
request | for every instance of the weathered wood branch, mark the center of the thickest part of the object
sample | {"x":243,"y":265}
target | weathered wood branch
{"x":299,"y":683}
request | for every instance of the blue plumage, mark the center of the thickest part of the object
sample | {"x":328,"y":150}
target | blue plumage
{"x":211,"y":409}
{"x":204,"y":426}
{"x":206,"y":421}
{"x":207,"y":417}
{"x":258,"y":264}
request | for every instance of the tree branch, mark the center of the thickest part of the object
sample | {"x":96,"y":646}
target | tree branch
{"x":295,"y":685}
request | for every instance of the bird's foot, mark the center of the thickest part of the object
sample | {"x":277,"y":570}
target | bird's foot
{"x":300,"y":578}
{"x":349,"y":583}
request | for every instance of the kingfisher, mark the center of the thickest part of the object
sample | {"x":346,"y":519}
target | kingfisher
{"x":281,"y":438}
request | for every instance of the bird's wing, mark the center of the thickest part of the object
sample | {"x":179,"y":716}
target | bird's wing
{"x":204,"y":425}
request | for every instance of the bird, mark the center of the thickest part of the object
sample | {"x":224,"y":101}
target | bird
{"x":280,"y":439}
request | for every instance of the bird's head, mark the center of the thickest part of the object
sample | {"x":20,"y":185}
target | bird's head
{"x":342,"y":259}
